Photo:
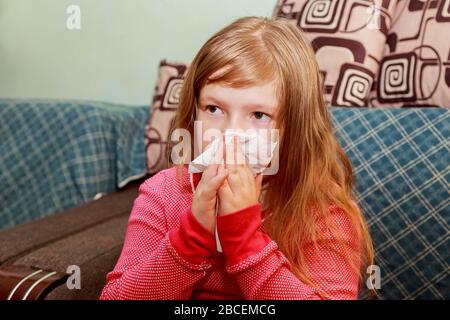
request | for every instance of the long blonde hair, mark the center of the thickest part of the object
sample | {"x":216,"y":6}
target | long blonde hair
{"x":314,"y":171}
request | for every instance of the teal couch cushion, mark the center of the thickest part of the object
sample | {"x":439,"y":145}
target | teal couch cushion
{"x":401,"y":162}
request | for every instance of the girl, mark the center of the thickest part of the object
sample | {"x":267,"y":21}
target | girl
{"x":309,"y":242}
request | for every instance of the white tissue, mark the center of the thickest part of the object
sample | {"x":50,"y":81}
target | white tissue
{"x":255,"y":149}
{"x":258,"y":152}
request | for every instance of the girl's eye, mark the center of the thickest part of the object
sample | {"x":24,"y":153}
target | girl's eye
{"x":260,"y":116}
{"x":212,"y":109}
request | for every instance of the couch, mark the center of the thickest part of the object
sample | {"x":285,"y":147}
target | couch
{"x":400,"y":159}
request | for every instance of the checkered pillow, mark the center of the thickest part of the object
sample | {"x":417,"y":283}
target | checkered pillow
{"x":401,"y":163}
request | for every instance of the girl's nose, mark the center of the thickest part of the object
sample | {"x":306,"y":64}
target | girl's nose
{"x":235,"y":123}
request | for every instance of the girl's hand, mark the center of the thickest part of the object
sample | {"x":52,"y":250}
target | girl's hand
{"x":204,"y":201}
{"x":240,"y":190}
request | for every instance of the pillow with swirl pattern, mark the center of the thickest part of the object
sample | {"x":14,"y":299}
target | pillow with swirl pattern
{"x":348,"y":38}
{"x":164,"y":106}
{"x":415,"y":69}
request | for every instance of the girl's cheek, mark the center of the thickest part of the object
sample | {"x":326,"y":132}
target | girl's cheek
{"x":263,"y":127}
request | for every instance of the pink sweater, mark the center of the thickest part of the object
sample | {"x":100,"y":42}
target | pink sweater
{"x":168,"y":254}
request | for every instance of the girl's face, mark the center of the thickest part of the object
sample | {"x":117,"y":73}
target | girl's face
{"x":225,"y":108}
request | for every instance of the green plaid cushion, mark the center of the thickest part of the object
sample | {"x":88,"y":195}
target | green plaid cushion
{"x":401,"y":164}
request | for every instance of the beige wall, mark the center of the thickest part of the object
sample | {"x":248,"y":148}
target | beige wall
{"x":114,"y":56}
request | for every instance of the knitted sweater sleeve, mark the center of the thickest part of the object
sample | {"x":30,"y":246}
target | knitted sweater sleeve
{"x":263,"y":272}
{"x":157,"y":263}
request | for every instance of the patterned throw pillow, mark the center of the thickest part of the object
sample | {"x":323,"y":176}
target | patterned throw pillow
{"x":415,"y":69}
{"x":348,"y":38}
{"x":164,"y":106}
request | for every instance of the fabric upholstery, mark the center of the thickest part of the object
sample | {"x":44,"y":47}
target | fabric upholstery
{"x":348,"y":38}
{"x":415,"y":69}
{"x":400,"y":159}
{"x":164,"y":106}
{"x":90,"y":237}
{"x":57,"y":154}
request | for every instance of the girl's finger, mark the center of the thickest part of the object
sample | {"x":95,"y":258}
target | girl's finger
{"x":215,"y":182}
{"x":225,"y":190}
{"x":225,"y":194}
{"x":234,"y":180}
{"x":242,"y":167}
{"x":250,"y":178}
{"x":210,"y":172}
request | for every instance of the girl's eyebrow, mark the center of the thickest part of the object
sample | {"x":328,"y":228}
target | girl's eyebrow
{"x":262,"y":106}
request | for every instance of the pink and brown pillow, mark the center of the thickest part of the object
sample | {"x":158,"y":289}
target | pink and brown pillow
{"x":415,"y":69}
{"x":348,"y":38}
{"x":164,"y":106}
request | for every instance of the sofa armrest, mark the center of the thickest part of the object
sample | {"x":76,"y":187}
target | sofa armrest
{"x":89,"y":237}
{"x":28,"y":283}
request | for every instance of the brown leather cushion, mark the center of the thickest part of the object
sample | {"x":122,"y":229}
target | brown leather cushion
{"x":90,"y":236}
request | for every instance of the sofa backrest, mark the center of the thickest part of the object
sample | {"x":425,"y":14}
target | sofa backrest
{"x":401,"y":161}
